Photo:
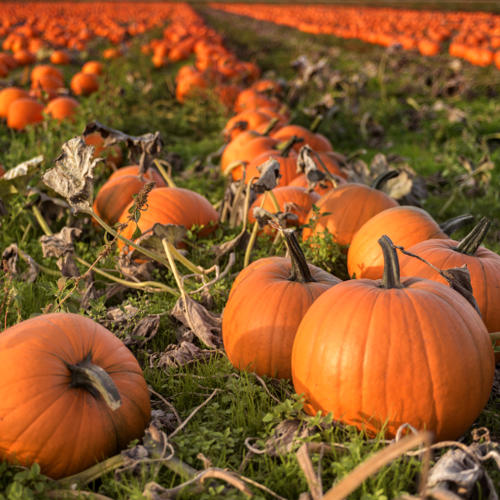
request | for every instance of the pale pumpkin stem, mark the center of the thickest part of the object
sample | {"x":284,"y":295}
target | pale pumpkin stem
{"x":473,"y":240}
{"x":316,"y":123}
{"x":300,"y":268}
{"x":450,"y":226}
{"x":270,"y":126}
{"x":274,"y":200}
{"x":288,"y":145}
{"x":391,"y":277}
{"x":167,"y":175}
{"x":95,"y":380}
{"x":383,"y":178}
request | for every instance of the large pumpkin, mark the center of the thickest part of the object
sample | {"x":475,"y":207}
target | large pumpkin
{"x":483,"y":266}
{"x":347,"y":208}
{"x":381,"y":353}
{"x":71,"y":395}
{"x":265,"y":306}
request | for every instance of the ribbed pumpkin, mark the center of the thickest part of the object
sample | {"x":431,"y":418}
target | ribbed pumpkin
{"x":317,"y":142}
{"x":169,"y":205}
{"x":72,"y":394}
{"x":483,"y":266}
{"x":381,"y":353}
{"x":117,"y":192}
{"x":348,"y":207}
{"x":405,"y":226}
{"x":265,"y":306}
{"x":8,"y":96}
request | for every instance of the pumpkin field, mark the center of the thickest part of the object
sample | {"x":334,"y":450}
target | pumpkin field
{"x":249,"y":250}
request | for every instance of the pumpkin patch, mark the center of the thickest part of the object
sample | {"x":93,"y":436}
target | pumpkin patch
{"x":248,"y":250}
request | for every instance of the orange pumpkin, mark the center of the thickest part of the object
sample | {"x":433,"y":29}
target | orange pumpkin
{"x":23,"y":112}
{"x":72,"y":394}
{"x":84,"y":84}
{"x":281,"y":290}
{"x":8,"y":96}
{"x":62,"y":108}
{"x":360,"y":344}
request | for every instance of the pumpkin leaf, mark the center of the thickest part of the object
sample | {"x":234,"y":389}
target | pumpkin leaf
{"x":16,"y":179}
{"x":73,"y":174}
{"x":10,"y":257}
{"x":142,"y":149}
{"x":177,"y":355}
{"x":285,"y":437}
{"x":133,"y":270}
{"x":60,"y":245}
{"x":459,"y":279}
{"x":269,"y":176}
{"x":204,"y":324}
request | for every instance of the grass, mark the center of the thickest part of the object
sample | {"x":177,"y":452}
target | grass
{"x":384,"y":102}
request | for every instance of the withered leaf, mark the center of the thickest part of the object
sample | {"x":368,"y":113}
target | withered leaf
{"x":204,"y":324}
{"x":118,"y":316}
{"x":285,"y":436}
{"x":60,"y":245}
{"x":10,"y":257}
{"x":73,"y":174}
{"x":144,"y":331}
{"x":228,"y":246}
{"x":263,"y":217}
{"x":133,"y":270}
{"x":459,"y":279}
{"x":172,"y":232}
{"x":17,"y":178}
{"x":455,"y":472}
{"x":269,"y":176}
{"x":177,"y":355}
{"x":142,"y":149}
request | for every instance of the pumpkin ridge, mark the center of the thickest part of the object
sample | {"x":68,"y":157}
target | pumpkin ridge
{"x":433,"y":388}
{"x":484,"y":281}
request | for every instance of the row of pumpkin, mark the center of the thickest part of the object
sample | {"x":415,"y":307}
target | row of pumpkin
{"x":473,"y":36}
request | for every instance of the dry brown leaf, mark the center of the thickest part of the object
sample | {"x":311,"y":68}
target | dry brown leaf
{"x":118,"y":316}
{"x":204,"y":324}
{"x":142,"y":149}
{"x":133,"y":270}
{"x":144,"y":331}
{"x":269,"y":176}
{"x":60,"y":245}
{"x":10,"y":257}
{"x":177,"y":355}
{"x":285,"y":437}
{"x":73,"y":174}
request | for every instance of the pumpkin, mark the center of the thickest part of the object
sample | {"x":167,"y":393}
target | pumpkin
{"x":72,"y":394}
{"x":281,"y":290}
{"x":483,"y":266}
{"x":348,"y":207}
{"x":317,"y":142}
{"x":117,"y":192}
{"x":381,"y":353}
{"x":94,"y":67}
{"x":62,"y":108}
{"x":8,"y":96}
{"x":59,"y":57}
{"x":169,"y":205}
{"x":23,"y":112}
{"x":84,"y":83}
{"x":405,"y":226}
{"x":112,"y":154}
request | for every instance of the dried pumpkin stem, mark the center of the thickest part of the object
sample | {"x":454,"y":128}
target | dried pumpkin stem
{"x":473,"y":240}
{"x":316,"y":123}
{"x":450,"y":226}
{"x":288,"y":145}
{"x":274,"y":201}
{"x":383,"y":178}
{"x":95,"y":380}
{"x":167,"y":246}
{"x":300,"y":268}
{"x":232,"y":166}
{"x":391,"y":277}
{"x":270,"y":126}
{"x":251,"y":242}
{"x":166,"y":175}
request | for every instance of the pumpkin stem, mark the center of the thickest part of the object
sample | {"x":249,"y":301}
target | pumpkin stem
{"x":95,"y":380}
{"x":450,"y":226}
{"x":270,"y":126}
{"x":316,"y":123}
{"x":391,"y":278}
{"x":383,"y":178}
{"x":300,"y":268}
{"x":473,"y":240}
{"x":288,"y":145}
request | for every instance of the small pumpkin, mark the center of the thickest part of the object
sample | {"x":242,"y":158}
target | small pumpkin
{"x":23,"y":112}
{"x":72,"y":394}
{"x":84,"y":83}
{"x":62,"y":108}
{"x":8,"y":96}
{"x":281,"y":290}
